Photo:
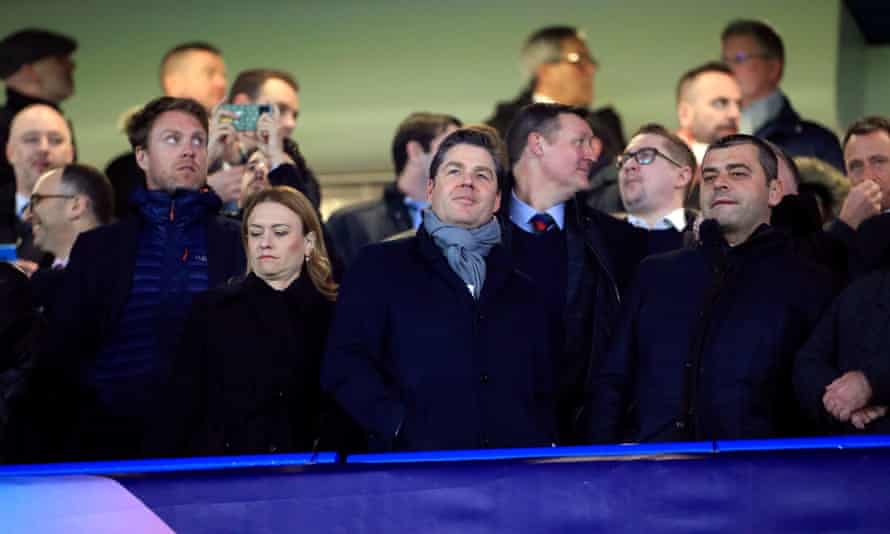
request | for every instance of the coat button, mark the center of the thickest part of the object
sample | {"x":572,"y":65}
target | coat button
{"x":483,"y":378}
{"x":485,"y":442}
{"x":680,"y":425}
{"x":280,"y":394}
{"x":227,"y":445}
{"x":273,"y":448}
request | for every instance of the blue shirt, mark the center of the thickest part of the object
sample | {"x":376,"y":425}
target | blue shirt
{"x":415,"y":207}
{"x":521,"y":213}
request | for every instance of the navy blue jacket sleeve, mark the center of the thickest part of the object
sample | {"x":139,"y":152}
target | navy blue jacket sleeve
{"x":354,"y":369}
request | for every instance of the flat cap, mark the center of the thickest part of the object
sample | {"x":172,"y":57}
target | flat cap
{"x":28,"y":46}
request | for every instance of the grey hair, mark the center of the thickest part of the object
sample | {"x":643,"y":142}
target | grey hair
{"x":545,"y":46}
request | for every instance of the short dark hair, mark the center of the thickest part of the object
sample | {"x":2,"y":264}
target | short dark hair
{"x":422,"y":127}
{"x":251,"y":81}
{"x":541,"y":118}
{"x":86,"y":180}
{"x":765,"y":155}
{"x":676,"y":147}
{"x":866,"y":125}
{"x":140,"y":123}
{"x":479,"y":135}
{"x":690,"y":75}
{"x":186,"y":47}
{"x":763,"y":33}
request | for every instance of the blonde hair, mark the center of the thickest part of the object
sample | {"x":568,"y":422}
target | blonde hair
{"x":318,"y":265}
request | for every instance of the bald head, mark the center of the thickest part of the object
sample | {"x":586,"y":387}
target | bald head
{"x":39,"y":140}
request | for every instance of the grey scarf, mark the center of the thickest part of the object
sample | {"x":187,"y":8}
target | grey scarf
{"x":464,"y":249}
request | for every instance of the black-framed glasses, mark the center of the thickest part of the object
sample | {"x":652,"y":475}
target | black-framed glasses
{"x":743,"y":57}
{"x":644,"y":156}
{"x":37,"y":198}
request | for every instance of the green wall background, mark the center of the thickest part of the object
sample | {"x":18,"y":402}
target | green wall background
{"x":363,"y":66}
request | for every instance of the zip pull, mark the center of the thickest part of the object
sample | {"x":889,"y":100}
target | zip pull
{"x":185,"y":255}
{"x":172,"y":210}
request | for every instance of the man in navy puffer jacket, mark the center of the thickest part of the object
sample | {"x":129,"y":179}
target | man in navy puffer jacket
{"x":129,"y":285}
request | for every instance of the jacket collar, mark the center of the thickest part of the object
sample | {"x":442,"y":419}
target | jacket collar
{"x":183,"y":206}
{"x":498,"y":265}
{"x":16,"y":101}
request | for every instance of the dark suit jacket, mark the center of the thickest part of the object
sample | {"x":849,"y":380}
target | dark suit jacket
{"x":355,"y":226}
{"x":421,"y":365}
{"x":602,"y":254}
{"x":802,"y":138}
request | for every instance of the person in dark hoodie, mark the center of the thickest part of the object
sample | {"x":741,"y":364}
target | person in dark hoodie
{"x":708,"y":334}
{"x":129,"y":285}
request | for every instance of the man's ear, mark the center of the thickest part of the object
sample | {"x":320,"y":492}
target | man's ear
{"x":414,"y":150}
{"x":776,"y":192}
{"x":596,"y":146}
{"x":430,"y":184}
{"x":684,"y":114}
{"x":79,"y":205}
{"x":535,"y":143}
{"x":141,"y":158}
{"x":241,"y":99}
{"x":683,"y":178}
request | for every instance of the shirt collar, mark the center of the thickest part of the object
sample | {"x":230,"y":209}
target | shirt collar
{"x":60,"y":263}
{"x":415,"y":209}
{"x":760,"y":112}
{"x":699,"y":149}
{"x":520,"y":213}
{"x":675,"y":220}
{"x":20,"y":202}
{"x":538,"y":98}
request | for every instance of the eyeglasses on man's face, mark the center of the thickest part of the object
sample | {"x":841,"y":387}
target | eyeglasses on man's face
{"x":644,"y":156}
{"x":37,"y":198}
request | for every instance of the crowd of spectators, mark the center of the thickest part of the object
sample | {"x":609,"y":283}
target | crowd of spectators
{"x":537,"y":280}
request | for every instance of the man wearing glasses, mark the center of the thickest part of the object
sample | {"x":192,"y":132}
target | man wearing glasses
{"x":580,"y":258}
{"x":65,"y":203}
{"x":655,"y":175}
{"x":756,"y":55}
{"x":707,"y":336}
{"x":559,"y":68}
{"x":39,"y":141}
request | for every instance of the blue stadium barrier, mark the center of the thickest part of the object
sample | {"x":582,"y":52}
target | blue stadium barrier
{"x":789,"y":486}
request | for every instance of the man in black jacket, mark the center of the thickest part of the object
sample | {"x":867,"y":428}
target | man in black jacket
{"x":434,"y":361}
{"x":581,"y":258}
{"x":36,"y":68}
{"x":128,"y":285}
{"x":399,"y":209}
{"x":708,"y":334}
{"x":842,"y":374}
{"x":755,"y":53}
